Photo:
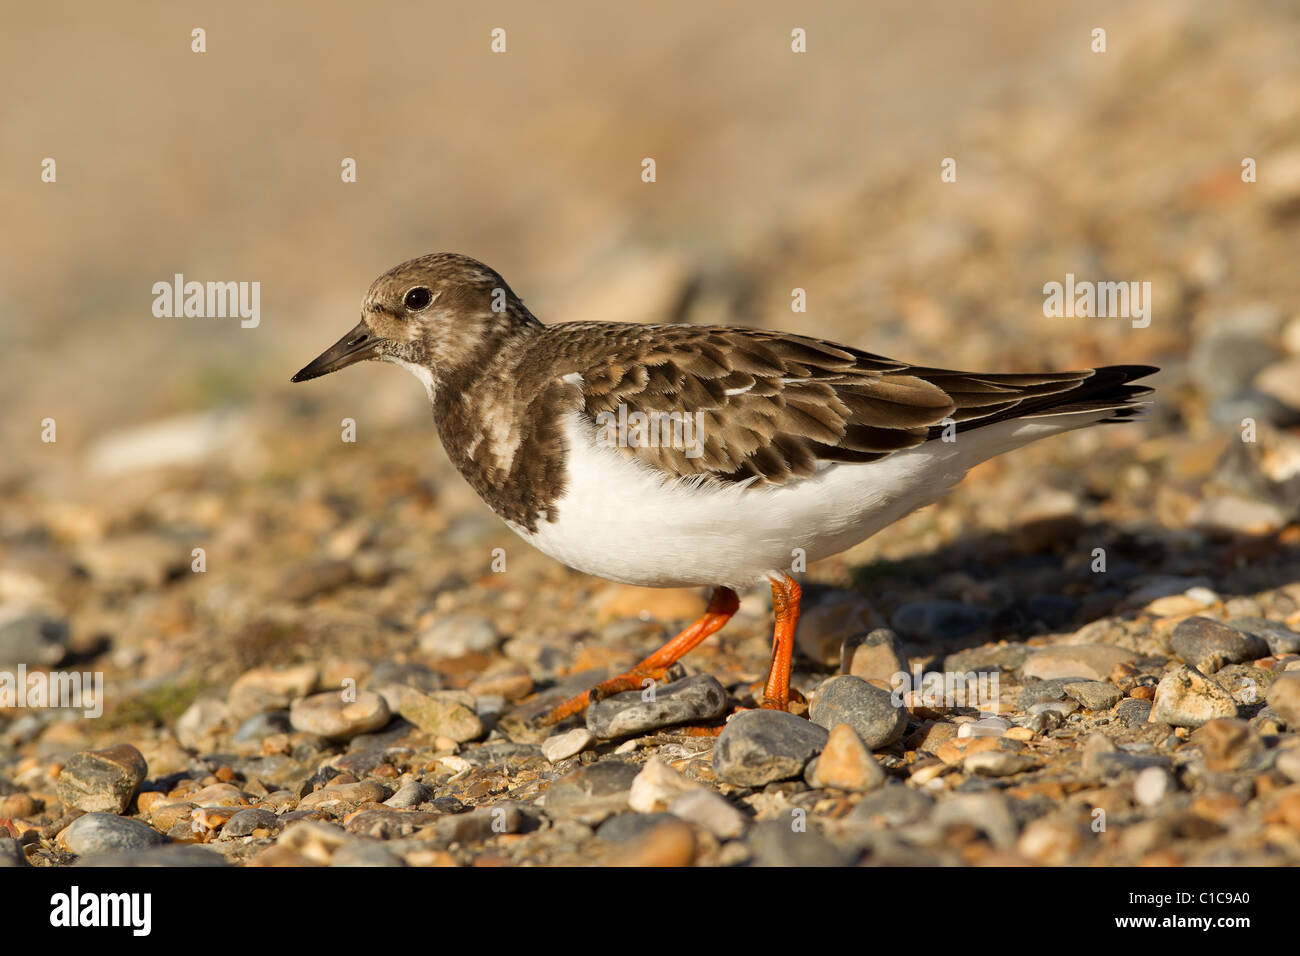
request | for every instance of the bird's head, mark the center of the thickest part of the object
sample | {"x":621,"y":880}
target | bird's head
{"x":438,"y":316}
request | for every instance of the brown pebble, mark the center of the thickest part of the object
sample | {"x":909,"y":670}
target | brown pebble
{"x":669,"y":844}
{"x":19,"y":805}
{"x":1143,"y":692}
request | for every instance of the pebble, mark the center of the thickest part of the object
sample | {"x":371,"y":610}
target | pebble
{"x":244,"y":822}
{"x":172,"y":855}
{"x":1087,"y":661}
{"x":1208,"y":645}
{"x":696,"y":698}
{"x":484,"y":823}
{"x":328,"y":715}
{"x":35,"y":640}
{"x":1052,"y":841}
{"x":875,"y":656}
{"x":1151,"y":785}
{"x":894,"y":805}
{"x":1133,"y":712}
{"x":987,"y":812}
{"x":793,"y":842}
{"x":11,"y":853}
{"x":845,"y":763}
{"x":1281,"y":640}
{"x":105,"y":832}
{"x":592,"y":793}
{"x":410,"y":795}
{"x":203,"y":722}
{"x":709,"y":810}
{"x":1288,"y":764}
{"x":827,"y":617}
{"x":758,"y":747}
{"x":1284,"y":698}
{"x":313,"y":840}
{"x":939,"y":620}
{"x":997,"y":763}
{"x":670,"y":844}
{"x":568,"y":744}
{"x":656,"y":786}
{"x":1095,"y":695}
{"x":868,"y":709}
{"x":1229,"y":745}
{"x":458,"y":634}
{"x":1187,"y":698}
{"x":365,"y":853}
{"x":102,"y":780}
{"x":442,"y":714}
{"x":985,"y":727}
{"x":630,"y":827}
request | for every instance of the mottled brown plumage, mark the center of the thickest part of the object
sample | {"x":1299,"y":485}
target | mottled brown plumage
{"x":772,"y":407}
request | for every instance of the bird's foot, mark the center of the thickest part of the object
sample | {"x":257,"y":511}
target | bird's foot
{"x":637,"y":678}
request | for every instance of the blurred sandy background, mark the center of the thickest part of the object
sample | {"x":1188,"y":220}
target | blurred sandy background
{"x":775,"y":170}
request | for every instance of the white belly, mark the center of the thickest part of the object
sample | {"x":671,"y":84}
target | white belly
{"x":620,"y":519}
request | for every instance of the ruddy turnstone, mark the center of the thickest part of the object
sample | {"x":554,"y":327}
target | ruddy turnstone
{"x":682,"y":455}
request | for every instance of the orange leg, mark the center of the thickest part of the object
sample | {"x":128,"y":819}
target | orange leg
{"x":722,"y":606}
{"x":785,"y":602}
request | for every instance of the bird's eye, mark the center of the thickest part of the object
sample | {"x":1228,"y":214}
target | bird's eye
{"x":417,"y":298}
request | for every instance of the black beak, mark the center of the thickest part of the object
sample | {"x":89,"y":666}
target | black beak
{"x":357,"y":346}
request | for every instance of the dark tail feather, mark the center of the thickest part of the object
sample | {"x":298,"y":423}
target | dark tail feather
{"x":1107,"y":388}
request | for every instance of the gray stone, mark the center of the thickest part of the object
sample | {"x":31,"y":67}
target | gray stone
{"x":1095,"y":694}
{"x":102,"y":780}
{"x":410,"y":795}
{"x":11,"y":853}
{"x":592,"y":793}
{"x":939,"y":620}
{"x":328,"y":715}
{"x":1208,"y":645}
{"x":1133,"y":712}
{"x":624,"y":715}
{"x":868,"y":709}
{"x":987,"y":657}
{"x":172,"y":855}
{"x":779,"y":843}
{"x":988,"y":812}
{"x":480,"y":824}
{"x":1101,"y":758}
{"x":1044,"y":691}
{"x":106,"y":833}
{"x":35,"y":640}
{"x":1187,"y":698}
{"x":244,"y":822}
{"x":459,"y":634}
{"x":894,"y":805}
{"x":263,"y":725}
{"x":760,"y":746}
{"x":1086,"y":661}
{"x":559,"y":747}
{"x":1281,"y":640}
{"x":628,"y":827}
